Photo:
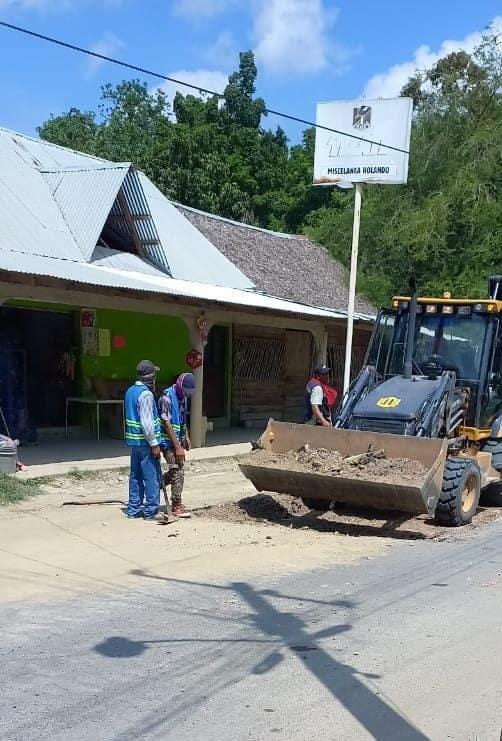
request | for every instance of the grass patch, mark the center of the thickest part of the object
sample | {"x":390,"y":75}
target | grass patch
{"x":12,"y":490}
{"x":77,"y":475}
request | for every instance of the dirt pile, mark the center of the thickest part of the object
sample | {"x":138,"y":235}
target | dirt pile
{"x":287,"y":512}
{"x":373,"y":465}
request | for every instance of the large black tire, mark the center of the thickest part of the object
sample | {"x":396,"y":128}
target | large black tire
{"x":495,"y":448}
{"x":459,"y":496}
{"x":492,"y":495}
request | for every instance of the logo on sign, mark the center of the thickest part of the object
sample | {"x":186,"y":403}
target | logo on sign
{"x":361,"y":117}
{"x":389,"y":402}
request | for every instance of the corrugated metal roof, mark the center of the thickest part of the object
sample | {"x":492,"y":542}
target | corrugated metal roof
{"x":111,"y":277}
{"x":190,"y":254}
{"x":30,"y":220}
{"x":83,"y":187}
{"x":39,"y":232}
{"x":143,"y":224}
{"x":85,"y":198}
{"x":47,"y":156}
{"x":108,"y":258}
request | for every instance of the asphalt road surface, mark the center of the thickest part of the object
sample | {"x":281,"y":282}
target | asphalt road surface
{"x":407,"y":646}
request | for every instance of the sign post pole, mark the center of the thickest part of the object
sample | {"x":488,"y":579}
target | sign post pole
{"x":352,"y":285}
{"x":361,"y":141}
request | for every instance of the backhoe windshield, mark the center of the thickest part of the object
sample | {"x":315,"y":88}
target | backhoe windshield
{"x":455,"y":341}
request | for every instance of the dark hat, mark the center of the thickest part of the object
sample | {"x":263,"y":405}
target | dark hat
{"x":188,"y":384}
{"x":322,"y":370}
{"x":146,"y":368}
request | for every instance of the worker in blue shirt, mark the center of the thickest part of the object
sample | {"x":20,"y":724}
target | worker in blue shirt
{"x":142,"y":434}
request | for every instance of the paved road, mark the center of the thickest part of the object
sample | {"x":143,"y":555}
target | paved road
{"x":406,"y":647}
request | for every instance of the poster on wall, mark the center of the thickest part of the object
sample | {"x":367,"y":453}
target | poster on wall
{"x":88,"y":318}
{"x":119,"y":341}
{"x":89,"y":341}
{"x":104,"y":343}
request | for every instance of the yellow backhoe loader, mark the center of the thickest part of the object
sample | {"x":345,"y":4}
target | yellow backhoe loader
{"x":430,"y":391}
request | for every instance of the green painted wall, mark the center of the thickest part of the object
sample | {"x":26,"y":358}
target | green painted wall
{"x":161,"y":339}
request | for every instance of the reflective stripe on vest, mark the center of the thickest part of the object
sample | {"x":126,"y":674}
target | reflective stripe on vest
{"x":134,"y":434}
{"x":178,"y":426}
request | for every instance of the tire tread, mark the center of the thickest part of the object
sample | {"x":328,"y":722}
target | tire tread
{"x":454,"y":472}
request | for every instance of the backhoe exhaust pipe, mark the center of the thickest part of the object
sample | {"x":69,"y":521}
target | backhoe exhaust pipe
{"x":410,"y":339}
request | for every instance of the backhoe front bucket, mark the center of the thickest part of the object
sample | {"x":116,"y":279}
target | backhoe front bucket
{"x":419,"y":498}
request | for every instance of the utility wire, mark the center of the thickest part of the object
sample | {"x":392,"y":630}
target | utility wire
{"x":200,"y":89}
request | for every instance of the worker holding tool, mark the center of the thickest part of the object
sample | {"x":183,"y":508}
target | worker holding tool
{"x":320,"y":398}
{"x":142,"y":434}
{"x":173,"y":406}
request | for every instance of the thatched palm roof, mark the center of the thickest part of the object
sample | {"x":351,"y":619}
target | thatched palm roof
{"x":284,"y":265}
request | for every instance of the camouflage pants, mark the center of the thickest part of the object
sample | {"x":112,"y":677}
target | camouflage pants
{"x":174,"y":477}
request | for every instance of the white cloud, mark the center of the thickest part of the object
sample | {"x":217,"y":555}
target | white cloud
{"x":200,"y":8}
{"x":389,"y":84}
{"x":108,"y":45}
{"x":223,"y":53}
{"x":292,"y":35}
{"x":206,"y":78}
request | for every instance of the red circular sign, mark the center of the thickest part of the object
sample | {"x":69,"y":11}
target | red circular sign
{"x":193,"y":359}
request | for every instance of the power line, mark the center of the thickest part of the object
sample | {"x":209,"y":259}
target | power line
{"x":166,"y":78}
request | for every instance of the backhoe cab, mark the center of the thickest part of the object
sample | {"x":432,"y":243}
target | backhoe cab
{"x":455,"y":351}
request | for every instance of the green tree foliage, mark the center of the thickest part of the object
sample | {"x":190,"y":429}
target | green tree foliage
{"x":210,"y":154}
{"x":445,"y":225}
{"x":74,"y":129}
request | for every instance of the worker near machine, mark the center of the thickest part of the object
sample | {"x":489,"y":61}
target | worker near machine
{"x":173,"y":408}
{"x":320,"y":398}
{"x":142,"y":434}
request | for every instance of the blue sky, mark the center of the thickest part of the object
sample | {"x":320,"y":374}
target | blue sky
{"x":307,"y":50}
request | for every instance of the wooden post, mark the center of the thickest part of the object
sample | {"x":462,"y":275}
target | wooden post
{"x":320,"y":346}
{"x":196,"y":432}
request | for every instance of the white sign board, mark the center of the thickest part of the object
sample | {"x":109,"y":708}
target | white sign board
{"x":361,"y":156}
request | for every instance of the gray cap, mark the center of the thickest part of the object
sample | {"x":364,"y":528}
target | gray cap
{"x":146,"y":368}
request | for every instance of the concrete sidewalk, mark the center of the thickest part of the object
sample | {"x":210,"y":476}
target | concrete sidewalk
{"x":60,"y":468}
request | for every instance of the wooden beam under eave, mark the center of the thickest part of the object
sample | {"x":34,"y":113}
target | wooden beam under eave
{"x":54,"y":290}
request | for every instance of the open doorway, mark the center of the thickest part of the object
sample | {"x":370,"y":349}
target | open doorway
{"x":38,"y":356}
{"x":215,"y":394}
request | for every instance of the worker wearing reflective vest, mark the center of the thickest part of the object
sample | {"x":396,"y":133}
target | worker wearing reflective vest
{"x":320,"y":398}
{"x":173,"y":408}
{"x":142,"y":435}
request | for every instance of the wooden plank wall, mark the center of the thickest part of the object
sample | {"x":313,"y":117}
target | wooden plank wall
{"x":336,"y":352}
{"x":271,"y":367}
{"x":298,"y":366}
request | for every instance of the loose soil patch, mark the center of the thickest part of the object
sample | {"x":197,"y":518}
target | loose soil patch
{"x":290,"y":512}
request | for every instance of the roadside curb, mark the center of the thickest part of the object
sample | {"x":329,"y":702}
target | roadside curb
{"x":111,"y":464}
